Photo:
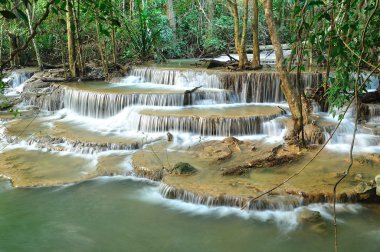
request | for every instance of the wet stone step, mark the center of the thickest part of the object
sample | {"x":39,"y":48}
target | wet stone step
{"x":224,"y":120}
{"x":65,"y":135}
{"x":260,"y":86}
{"x":101,"y":100}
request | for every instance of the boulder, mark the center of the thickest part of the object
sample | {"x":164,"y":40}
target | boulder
{"x":363,"y":187}
{"x":231,"y":140}
{"x":309,"y":216}
{"x":314,"y":134}
{"x":183,"y":168}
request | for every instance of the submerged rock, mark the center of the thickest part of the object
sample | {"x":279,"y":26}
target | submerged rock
{"x":183,"y":168}
{"x":309,"y":216}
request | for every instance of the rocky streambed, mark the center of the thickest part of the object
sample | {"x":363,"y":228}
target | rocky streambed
{"x":225,"y":148}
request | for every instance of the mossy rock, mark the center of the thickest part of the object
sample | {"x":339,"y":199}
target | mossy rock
{"x":183,"y":168}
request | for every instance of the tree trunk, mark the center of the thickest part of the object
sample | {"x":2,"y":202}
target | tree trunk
{"x":1,"y":41}
{"x":78,"y":40}
{"x":13,"y":46}
{"x":114,"y":50}
{"x":239,"y":43}
{"x":30,"y":14}
{"x":255,"y":35}
{"x":210,"y":15}
{"x":70,"y":38}
{"x":100,"y":48}
{"x":131,"y":6}
{"x":171,"y":15}
{"x":243,"y":54}
{"x":124,"y":7}
{"x":290,"y":91}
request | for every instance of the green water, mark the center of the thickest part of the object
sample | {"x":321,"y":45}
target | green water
{"x":118,"y":214}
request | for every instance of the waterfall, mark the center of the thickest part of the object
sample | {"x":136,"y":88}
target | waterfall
{"x":251,"y":86}
{"x":289,"y":202}
{"x":205,"y":126}
{"x":18,"y":78}
{"x":183,"y":78}
{"x":103,"y":105}
{"x":374,"y":113}
{"x":373,"y":81}
{"x":15,"y":82}
{"x":274,"y":128}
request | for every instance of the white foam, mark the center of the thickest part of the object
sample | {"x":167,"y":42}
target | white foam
{"x":286,"y":220}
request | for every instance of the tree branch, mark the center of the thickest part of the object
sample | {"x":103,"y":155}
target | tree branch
{"x":31,"y":36}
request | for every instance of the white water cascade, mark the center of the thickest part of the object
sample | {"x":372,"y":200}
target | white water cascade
{"x":15,"y":82}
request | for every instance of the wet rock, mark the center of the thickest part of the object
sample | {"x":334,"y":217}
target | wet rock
{"x":170,"y":137}
{"x":363,"y":187}
{"x":231,"y":140}
{"x":183,"y":168}
{"x":309,"y":216}
{"x":319,"y":228}
{"x":377,"y":180}
{"x":314,"y":134}
{"x":358,"y":177}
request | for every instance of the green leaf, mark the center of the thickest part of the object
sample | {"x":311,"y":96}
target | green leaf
{"x":297,"y":9}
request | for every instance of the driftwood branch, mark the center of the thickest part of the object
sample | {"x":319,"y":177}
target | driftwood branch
{"x":187,"y":96}
{"x":192,"y":90}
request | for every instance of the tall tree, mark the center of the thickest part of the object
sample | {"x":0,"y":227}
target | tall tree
{"x":30,"y":12}
{"x":239,"y":37}
{"x":171,"y":15}
{"x":290,"y":91}
{"x":78,"y":41}
{"x":70,"y":38}
{"x":255,"y":35}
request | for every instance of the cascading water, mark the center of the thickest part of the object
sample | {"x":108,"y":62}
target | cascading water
{"x":374,"y":113}
{"x":15,"y":82}
{"x":185,"y":78}
{"x":207,"y":126}
{"x":150,"y":103}
{"x":102,"y":105}
{"x":251,"y":87}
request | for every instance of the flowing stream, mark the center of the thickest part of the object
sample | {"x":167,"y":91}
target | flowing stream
{"x":61,"y":201}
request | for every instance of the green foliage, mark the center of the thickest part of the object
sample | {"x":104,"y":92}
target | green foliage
{"x":144,"y":33}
